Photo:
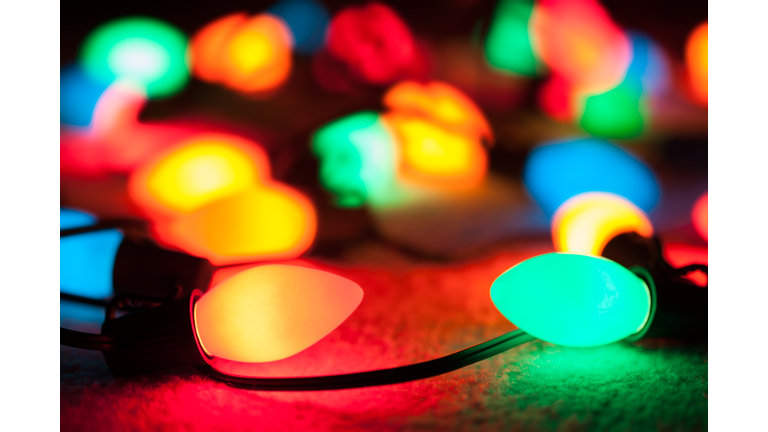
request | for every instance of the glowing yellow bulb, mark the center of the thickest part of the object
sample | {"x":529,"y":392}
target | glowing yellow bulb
{"x":435,"y":155}
{"x":586,"y":222}
{"x":248,"y":54}
{"x":261,"y":223}
{"x":196,"y":173}
{"x":250,"y":51}
{"x":271,"y":312}
{"x":440,"y":103}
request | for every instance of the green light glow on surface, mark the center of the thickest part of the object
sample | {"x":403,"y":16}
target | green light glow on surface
{"x":144,"y":51}
{"x":357,"y":158}
{"x":508,"y":46}
{"x":573,"y":300}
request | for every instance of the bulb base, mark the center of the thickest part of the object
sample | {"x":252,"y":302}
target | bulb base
{"x":145,"y":269}
{"x":681,"y":307}
{"x":157,"y":338}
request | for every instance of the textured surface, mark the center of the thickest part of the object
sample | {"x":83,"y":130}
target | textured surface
{"x":411,"y":312}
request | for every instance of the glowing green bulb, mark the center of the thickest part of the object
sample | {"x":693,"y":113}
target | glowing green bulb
{"x":617,"y":113}
{"x":508,"y":46}
{"x":143,"y":51}
{"x":357,"y":158}
{"x":573,"y":300}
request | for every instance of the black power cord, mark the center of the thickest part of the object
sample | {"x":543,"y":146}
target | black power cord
{"x":87,"y":341}
{"x":379,"y":377}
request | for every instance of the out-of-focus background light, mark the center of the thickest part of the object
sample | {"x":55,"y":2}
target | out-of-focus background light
{"x":442,"y":103}
{"x":86,"y":260}
{"x":308,"y":21}
{"x":79,"y":93}
{"x":250,"y":55}
{"x":700,"y":216}
{"x":196,"y":173}
{"x":357,"y":158}
{"x":508,"y":44}
{"x":373,"y":42}
{"x":556,"y":171}
{"x":585,"y":223}
{"x":267,"y":222}
{"x":697,"y":60}
{"x":144,"y":51}
{"x":579,"y":41}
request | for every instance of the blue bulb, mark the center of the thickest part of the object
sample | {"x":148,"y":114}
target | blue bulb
{"x":308,"y":21}
{"x":86,"y":260}
{"x":78,"y":95}
{"x":559,"y":170}
{"x":649,"y":68}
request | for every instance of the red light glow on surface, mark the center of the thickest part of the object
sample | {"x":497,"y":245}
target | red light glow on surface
{"x":681,"y":255}
{"x":273,"y":311}
{"x":373,"y":42}
{"x":700,"y":216}
{"x":250,"y":55}
{"x":697,"y":61}
{"x":579,"y":41}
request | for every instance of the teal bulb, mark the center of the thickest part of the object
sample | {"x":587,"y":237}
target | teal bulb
{"x":573,"y":300}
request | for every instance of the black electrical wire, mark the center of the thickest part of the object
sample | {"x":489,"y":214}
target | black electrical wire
{"x":102,"y":225}
{"x":87,"y":341}
{"x":379,"y":377}
{"x":85,"y":300}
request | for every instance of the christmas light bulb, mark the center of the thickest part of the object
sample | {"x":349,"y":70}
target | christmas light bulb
{"x":436,"y":156}
{"x":266,"y":222}
{"x":248,"y":54}
{"x":308,"y":21}
{"x":271,"y":312}
{"x":440,"y":103}
{"x":508,"y":46}
{"x":86,"y":260}
{"x":585,"y":223}
{"x":556,"y":171}
{"x":197,"y":172}
{"x":573,"y":300}
{"x":697,"y":61}
{"x":143,"y":51}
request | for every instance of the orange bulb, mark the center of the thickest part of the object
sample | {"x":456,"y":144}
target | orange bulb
{"x":271,"y":312}
{"x":697,"y":60}
{"x":700,"y":216}
{"x":246,"y":54}
{"x":266,"y":222}
{"x":578,"y":40}
{"x":197,"y":172}
{"x":585,"y":223}
{"x":434,"y":155}
{"x":441,"y":103}
{"x":206,"y":46}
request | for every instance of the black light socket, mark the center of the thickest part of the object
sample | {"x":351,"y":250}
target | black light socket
{"x":156,"y":338}
{"x":145,"y":269}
